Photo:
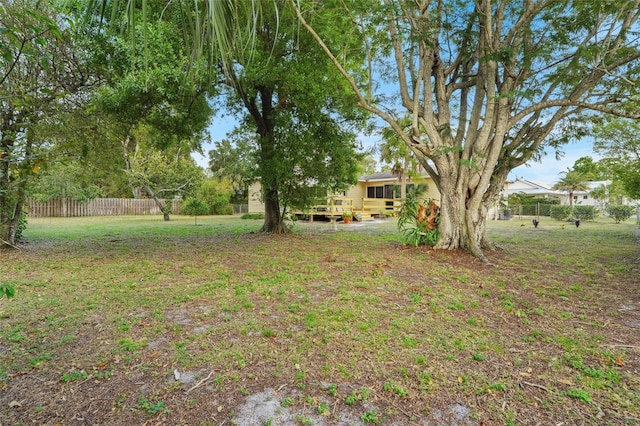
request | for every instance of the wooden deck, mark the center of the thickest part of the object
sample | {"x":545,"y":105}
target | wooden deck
{"x":337,"y":206}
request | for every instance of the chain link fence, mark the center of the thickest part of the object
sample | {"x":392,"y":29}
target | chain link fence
{"x":556,"y":211}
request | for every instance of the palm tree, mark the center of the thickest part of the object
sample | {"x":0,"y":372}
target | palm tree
{"x":600,"y":194}
{"x":572,"y":181}
{"x":394,"y":151}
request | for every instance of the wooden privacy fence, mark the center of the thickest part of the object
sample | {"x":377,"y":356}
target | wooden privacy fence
{"x":66,"y":207}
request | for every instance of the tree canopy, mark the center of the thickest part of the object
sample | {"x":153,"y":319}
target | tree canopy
{"x":288,"y":94}
{"x":619,"y":141}
{"x":592,"y":169}
{"x":43,"y":70}
{"x":156,"y":102}
{"x":235,"y":159}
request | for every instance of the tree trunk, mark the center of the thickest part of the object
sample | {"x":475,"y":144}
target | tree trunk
{"x":162,"y":206}
{"x":11,"y":206}
{"x":12,"y":189}
{"x":462,"y":228}
{"x":463,"y":216}
{"x":273,"y":217}
{"x":5,"y":218}
{"x":8,"y":228}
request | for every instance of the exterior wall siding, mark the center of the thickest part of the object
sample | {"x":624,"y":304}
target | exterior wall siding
{"x":255,"y":198}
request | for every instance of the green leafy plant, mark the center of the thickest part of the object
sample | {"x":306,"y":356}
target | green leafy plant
{"x":579,"y":394}
{"x":371,"y":417}
{"x":333,"y":389}
{"x":287,"y":402}
{"x":255,"y":216}
{"x":360,"y":395}
{"x":414,"y":229}
{"x":479,"y":357}
{"x":74,"y":376}
{"x":618,"y":212}
{"x":152,"y":408}
{"x":22,"y":225}
{"x":560,"y":212}
{"x":39,"y":359}
{"x":304,"y":420}
{"x":395,"y":388}
{"x":323,"y":409}
{"x":584,"y":212}
{"x":128,"y":345}
{"x":7,"y":290}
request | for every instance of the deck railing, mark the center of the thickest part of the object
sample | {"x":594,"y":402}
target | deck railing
{"x":335,"y":206}
{"x":381,"y":205}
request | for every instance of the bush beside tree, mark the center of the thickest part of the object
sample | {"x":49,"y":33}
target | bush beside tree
{"x":413,"y":221}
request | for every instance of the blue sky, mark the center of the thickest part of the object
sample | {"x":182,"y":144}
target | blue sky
{"x":547,"y":171}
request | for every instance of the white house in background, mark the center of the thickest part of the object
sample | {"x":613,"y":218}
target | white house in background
{"x":536,"y":189}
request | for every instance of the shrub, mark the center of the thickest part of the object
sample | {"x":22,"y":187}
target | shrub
{"x":584,"y":212}
{"x":217,"y":193}
{"x":560,"y":212}
{"x":619,"y":212}
{"x":252,"y":216}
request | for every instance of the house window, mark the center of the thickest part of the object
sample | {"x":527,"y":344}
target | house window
{"x":375,"y":192}
{"x":575,"y":197}
{"x":386,"y":191}
{"x":392,"y":191}
{"x":585,"y":197}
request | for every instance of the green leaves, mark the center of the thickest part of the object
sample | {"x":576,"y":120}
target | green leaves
{"x":619,"y":213}
{"x":412,"y":220}
{"x":7,"y":290}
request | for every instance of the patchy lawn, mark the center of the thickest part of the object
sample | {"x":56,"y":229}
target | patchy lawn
{"x":131,"y":320}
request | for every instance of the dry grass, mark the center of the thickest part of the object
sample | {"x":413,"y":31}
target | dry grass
{"x":337,"y":323}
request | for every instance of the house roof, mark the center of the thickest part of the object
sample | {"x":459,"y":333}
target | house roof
{"x":531,"y":188}
{"x":384,"y":176}
{"x":388,"y":175}
{"x":535,"y":188}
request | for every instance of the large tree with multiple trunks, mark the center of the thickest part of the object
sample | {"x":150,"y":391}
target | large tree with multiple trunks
{"x":489,"y":84}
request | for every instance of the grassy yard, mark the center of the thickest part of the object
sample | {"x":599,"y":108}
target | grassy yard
{"x":132,"y":320}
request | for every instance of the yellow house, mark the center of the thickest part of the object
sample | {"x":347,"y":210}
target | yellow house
{"x":374,"y":195}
